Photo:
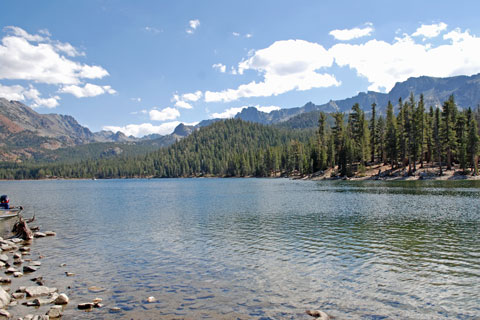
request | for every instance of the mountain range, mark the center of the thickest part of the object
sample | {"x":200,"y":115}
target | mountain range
{"x":26,"y":134}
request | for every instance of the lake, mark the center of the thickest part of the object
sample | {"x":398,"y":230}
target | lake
{"x":258,"y":248}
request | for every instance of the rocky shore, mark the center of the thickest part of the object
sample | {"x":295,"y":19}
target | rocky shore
{"x":24,"y":293}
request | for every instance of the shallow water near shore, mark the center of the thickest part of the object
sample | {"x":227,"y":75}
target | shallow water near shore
{"x":258,"y":248}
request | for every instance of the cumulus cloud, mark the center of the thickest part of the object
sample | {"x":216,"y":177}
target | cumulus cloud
{"x":140,"y":130}
{"x":285,"y":65}
{"x":220,"y":67}
{"x":232,"y":112}
{"x":430,"y":30}
{"x":164,"y":114}
{"x":194,"y":96}
{"x":22,"y":60}
{"x":39,"y":59}
{"x":384,"y":63}
{"x":89,"y":90}
{"x":193,"y":25}
{"x":12,"y":92}
{"x":349,"y":34}
{"x":19,"y":93}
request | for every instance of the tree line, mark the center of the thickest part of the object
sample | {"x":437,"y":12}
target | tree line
{"x":408,"y":138}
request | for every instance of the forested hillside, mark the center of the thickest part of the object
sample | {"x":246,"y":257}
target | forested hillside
{"x":343,"y":144}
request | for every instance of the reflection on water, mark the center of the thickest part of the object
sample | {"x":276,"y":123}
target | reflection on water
{"x":261,"y":248}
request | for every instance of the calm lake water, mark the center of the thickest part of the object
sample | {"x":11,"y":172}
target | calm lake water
{"x":258,"y":248}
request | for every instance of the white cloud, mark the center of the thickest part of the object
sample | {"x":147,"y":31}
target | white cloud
{"x":268,"y":109}
{"x":195,"y":96}
{"x":384,"y":64}
{"x":152,"y":30}
{"x":248,"y":35}
{"x":229,"y":113}
{"x":193,"y":25}
{"x":12,"y":92}
{"x":236,"y":34}
{"x":19,"y":93}
{"x":232,"y":112}
{"x":136,"y":99}
{"x":430,"y":30}
{"x":220,"y":67}
{"x":285,"y":65}
{"x":164,"y":114}
{"x":89,"y":90}
{"x":182,"y":104}
{"x":140,"y":130}
{"x":22,"y":60}
{"x":349,"y":34}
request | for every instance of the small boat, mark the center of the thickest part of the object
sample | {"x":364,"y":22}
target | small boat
{"x":10,"y":213}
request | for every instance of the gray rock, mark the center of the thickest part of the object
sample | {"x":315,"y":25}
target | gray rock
{"x":29,"y":269}
{"x":39,"y":291}
{"x":17,"y":255}
{"x":50,"y":233}
{"x":2,"y":264}
{"x":4,"y":298}
{"x":5,"y":280}
{"x":55,"y":312}
{"x":17,"y":274}
{"x":85,"y":306}
{"x":39,"y":234}
{"x":36,"y":263}
{"x":16,"y":240}
{"x":37,"y":317}
{"x":11,"y":270}
{"x":4,"y":314}
{"x":62,"y":299}
{"x":115,"y":310}
{"x":18,"y":295}
{"x":3,"y":257}
{"x":318,"y":314}
{"x":24,"y":249}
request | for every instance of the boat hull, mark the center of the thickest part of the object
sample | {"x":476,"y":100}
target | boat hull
{"x":9,"y":213}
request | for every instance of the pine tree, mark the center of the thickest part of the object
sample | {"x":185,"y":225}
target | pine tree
{"x":373,"y":131}
{"x":391,"y":136}
{"x":448,"y":129}
{"x":472,"y":142}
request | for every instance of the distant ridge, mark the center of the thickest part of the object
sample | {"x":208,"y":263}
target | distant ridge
{"x":466,"y":90}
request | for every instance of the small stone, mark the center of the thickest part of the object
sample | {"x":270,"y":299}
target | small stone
{"x":28,"y":317}
{"x":62,"y":299}
{"x":63,"y":265}
{"x":3,"y":257}
{"x":21,"y":289}
{"x":29,"y":269}
{"x":16,"y":240}
{"x":85,"y":306}
{"x":97,"y":300}
{"x":50,"y":233}
{"x":115,"y":310}
{"x":5,"y":280}
{"x":96,"y":289}
{"x":17,"y":255}
{"x":318,"y":314}
{"x":55,"y":312}
{"x":13,"y":303}
{"x":17,"y":261}
{"x":24,"y":249}
{"x":69,"y":274}
{"x":17,"y":274}
{"x":11,"y":270}
{"x":98,"y":305}
{"x":5,"y":298}
{"x":39,"y":234}
{"x":2,"y":264}
{"x":150,"y":299}
{"x":36,"y":263}
{"x":18,"y":295}
{"x":4,"y":314}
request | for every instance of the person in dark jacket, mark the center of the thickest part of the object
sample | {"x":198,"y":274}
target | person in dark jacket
{"x":4,"y":202}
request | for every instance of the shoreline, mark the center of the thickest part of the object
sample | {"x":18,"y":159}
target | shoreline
{"x":372,"y":173}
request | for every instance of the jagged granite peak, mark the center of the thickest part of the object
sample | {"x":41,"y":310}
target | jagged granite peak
{"x":183,"y":130}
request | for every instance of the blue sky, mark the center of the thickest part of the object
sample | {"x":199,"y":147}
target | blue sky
{"x":144,"y":66}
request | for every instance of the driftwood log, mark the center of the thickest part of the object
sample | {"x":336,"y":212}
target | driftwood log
{"x":22,"y":230}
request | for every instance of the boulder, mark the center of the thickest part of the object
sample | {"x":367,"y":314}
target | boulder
{"x":39,"y":234}
{"x":55,"y":312}
{"x":39,"y":291}
{"x":4,"y":298}
{"x":61,"y":299}
{"x":17,"y":274}
{"x":3,"y":257}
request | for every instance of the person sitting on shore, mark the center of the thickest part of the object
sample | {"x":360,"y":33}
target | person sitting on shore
{"x":4,"y":202}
